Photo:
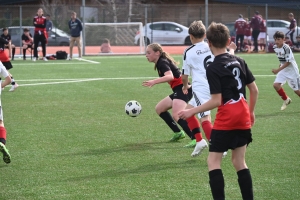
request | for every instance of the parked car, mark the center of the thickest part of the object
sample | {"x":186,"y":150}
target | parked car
{"x":164,"y":33}
{"x":56,"y":37}
{"x":273,"y":25}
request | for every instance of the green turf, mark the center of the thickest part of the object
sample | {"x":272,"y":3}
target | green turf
{"x":73,"y":140}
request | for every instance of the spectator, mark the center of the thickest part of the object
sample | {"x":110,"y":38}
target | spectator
{"x":105,"y":46}
{"x":40,"y":35}
{"x":255,"y":25}
{"x":49,"y":25}
{"x":11,"y":47}
{"x":27,"y":41}
{"x":239,"y":26}
{"x":288,"y":41}
{"x":75,"y":27}
{"x":296,"y":47}
{"x":247,"y":36}
{"x":292,"y":27}
{"x":262,"y":34}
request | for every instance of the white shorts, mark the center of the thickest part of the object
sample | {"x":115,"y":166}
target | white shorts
{"x":200,"y":97}
{"x":247,"y":37}
{"x":262,"y":35}
{"x":294,"y":83}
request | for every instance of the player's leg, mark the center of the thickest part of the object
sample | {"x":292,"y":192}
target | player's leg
{"x":3,"y":149}
{"x":13,"y":51}
{"x":162,"y":110}
{"x":43,"y":44}
{"x":36,"y":41}
{"x":24,"y":51}
{"x":14,"y":85}
{"x":72,"y":40}
{"x":279,"y":81}
{"x":78,"y":42}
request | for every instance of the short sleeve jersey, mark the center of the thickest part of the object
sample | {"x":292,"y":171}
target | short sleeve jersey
{"x":247,"y":30}
{"x":196,"y":59}
{"x":228,"y":75}
{"x":25,"y":38}
{"x":3,"y":42}
{"x":163,"y":65}
{"x":292,"y":24}
{"x":239,"y":26}
{"x":6,"y":37}
{"x":284,"y":55}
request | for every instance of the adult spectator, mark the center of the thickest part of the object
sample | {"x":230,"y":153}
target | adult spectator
{"x":75,"y":27}
{"x":11,"y":47}
{"x":40,"y":35}
{"x":293,"y":25}
{"x":262,"y":34}
{"x":27,"y":41}
{"x":255,"y":25}
{"x":239,"y":26}
{"x":49,"y":25}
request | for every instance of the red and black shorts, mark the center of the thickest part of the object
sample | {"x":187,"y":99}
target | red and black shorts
{"x":178,"y":94}
{"x":7,"y":65}
{"x":222,"y":140}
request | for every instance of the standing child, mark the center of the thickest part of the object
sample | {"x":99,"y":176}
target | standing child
{"x":228,"y":77}
{"x":3,"y":149}
{"x":288,"y":69}
{"x":105,"y":46}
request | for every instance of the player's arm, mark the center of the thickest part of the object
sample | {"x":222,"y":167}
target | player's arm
{"x":168,"y":76}
{"x":281,"y":67}
{"x":231,"y":48}
{"x":253,"y":90}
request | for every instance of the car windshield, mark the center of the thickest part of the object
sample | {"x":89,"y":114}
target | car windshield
{"x":60,"y":32}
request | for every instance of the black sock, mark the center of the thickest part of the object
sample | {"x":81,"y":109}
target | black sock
{"x":216,"y":181}
{"x":245,"y":182}
{"x":185,"y":127}
{"x":24,"y":53}
{"x":2,"y":140}
{"x":13,"y":52}
{"x":170,"y":121}
{"x":12,"y":81}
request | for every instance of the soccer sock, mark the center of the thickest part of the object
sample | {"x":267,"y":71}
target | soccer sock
{"x":24,"y":53}
{"x":282,"y":94}
{"x":185,"y":127}
{"x":207,"y":127}
{"x":2,"y":135}
{"x":170,"y":121}
{"x":194,"y":125}
{"x":216,"y":182}
{"x":245,"y":182}
{"x":12,"y":81}
{"x":13,"y":52}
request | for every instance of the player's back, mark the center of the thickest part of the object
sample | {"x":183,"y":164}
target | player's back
{"x":196,"y":59}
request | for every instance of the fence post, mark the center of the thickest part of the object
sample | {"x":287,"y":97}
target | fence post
{"x":267,"y":36}
{"x":20,"y":30}
{"x":83,"y":30}
{"x":206,"y":13}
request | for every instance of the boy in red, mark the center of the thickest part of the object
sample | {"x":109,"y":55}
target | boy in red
{"x":228,"y":76}
{"x":239,"y":26}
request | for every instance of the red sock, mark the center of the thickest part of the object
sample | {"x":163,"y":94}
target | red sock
{"x":194,"y":126}
{"x":2,"y":134}
{"x":282,"y":94}
{"x":207,"y":127}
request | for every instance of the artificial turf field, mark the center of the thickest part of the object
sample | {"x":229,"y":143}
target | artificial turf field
{"x":70,"y":138}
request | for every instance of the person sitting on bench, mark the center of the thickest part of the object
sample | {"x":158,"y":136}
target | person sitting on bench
{"x":27,"y":41}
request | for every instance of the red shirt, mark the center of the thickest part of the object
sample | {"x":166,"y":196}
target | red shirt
{"x":262,"y":26}
{"x":39,"y":24}
{"x":240,"y":26}
{"x":247,"y":30}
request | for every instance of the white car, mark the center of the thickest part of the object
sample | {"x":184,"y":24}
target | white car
{"x":280,"y":25}
{"x":164,"y":33}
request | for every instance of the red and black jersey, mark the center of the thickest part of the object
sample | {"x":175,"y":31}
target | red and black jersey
{"x":6,"y":37}
{"x":229,"y":75}
{"x":26,"y":39}
{"x":39,"y":24}
{"x":163,"y":65}
{"x":3,"y":55}
{"x":3,"y":42}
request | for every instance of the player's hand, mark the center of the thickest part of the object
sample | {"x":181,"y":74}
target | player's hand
{"x":252,"y":117}
{"x":232,"y":46}
{"x":185,"y":90}
{"x":275,"y":71}
{"x":149,"y":83}
{"x":185,"y":114}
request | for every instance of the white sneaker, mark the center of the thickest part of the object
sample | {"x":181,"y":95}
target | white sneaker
{"x":45,"y":59}
{"x":79,"y":58}
{"x":13,"y":87}
{"x":285,"y":103}
{"x":69,"y":58}
{"x":34,"y":59}
{"x":224,"y":154}
{"x":200,"y":146}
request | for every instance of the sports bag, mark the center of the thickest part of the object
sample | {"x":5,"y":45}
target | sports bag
{"x":61,"y":55}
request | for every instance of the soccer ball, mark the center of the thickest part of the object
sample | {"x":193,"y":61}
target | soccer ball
{"x":39,"y":49}
{"x":133,"y":108}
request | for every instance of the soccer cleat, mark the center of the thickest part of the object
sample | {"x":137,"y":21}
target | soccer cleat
{"x":69,"y":58}
{"x":285,"y":103}
{"x":45,"y":59}
{"x":200,"y":146}
{"x":13,"y":87}
{"x":192,"y":144}
{"x":177,"y":136}
{"x":34,"y":59}
{"x":4,"y":151}
{"x":224,"y":154}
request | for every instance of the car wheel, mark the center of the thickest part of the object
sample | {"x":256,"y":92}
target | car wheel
{"x":187,"y":41}
{"x":147,"y":42}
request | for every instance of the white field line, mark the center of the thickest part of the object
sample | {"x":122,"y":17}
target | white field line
{"x":50,"y":63}
{"x":90,"y":61}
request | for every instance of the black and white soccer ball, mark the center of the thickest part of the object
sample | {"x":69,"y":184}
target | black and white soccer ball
{"x":133,"y":108}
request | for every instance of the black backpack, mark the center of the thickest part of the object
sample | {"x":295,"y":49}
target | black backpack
{"x":61,"y":55}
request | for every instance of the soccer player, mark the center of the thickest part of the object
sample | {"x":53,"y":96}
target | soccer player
{"x":288,"y":69}
{"x":239,"y":26}
{"x":40,"y":35}
{"x":75,"y":27}
{"x":262,"y":34}
{"x":168,"y":72}
{"x":11,"y":47}
{"x":255,"y":25}
{"x":228,"y":77}
{"x":27,"y":41}
{"x":247,"y":36}
{"x":293,"y":25}
{"x":4,"y":58}
{"x":7,"y":81}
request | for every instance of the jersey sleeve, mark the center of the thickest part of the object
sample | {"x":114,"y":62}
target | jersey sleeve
{"x":213,"y":81}
{"x":185,"y":67}
{"x":163,"y":66}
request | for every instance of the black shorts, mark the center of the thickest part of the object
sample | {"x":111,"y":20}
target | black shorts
{"x":7,"y":65}
{"x":178,"y":94}
{"x":29,"y":46}
{"x":222,"y":140}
